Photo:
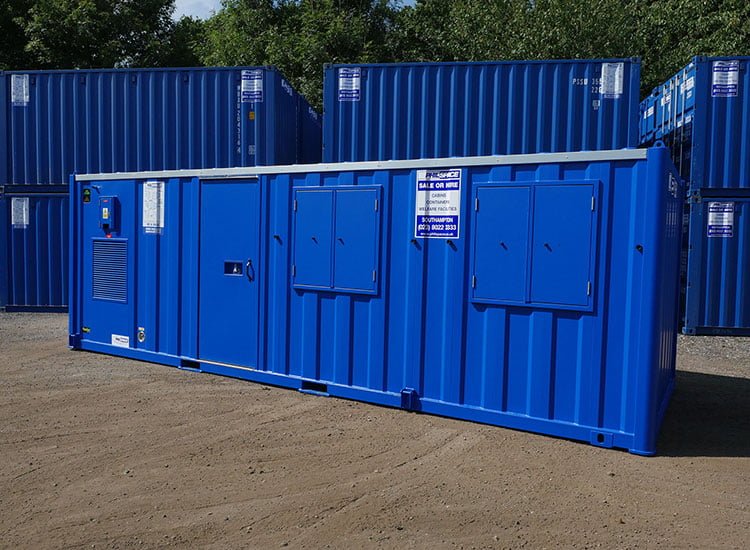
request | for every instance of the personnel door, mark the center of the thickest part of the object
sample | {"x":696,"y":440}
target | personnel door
{"x":229,"y":245}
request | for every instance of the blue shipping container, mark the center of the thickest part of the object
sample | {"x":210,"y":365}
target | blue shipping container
{"x":429,"y":110}
{"x":537,"y":292}
{"x":56,"y":123}
{"x":34,"y":258}
{"x":703,"y":115}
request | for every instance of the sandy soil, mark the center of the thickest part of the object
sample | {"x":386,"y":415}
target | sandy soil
{"x":104,"y":452}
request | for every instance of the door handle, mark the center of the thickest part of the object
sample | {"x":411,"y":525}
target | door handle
{"x":249,"y":271}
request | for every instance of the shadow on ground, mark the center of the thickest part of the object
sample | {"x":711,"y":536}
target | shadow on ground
{"x":709,"y":416}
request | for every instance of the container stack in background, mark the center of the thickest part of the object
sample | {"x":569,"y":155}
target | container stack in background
{"x":433,"y":110}
{"x":56,"y":123}
{"x":702,"y":114}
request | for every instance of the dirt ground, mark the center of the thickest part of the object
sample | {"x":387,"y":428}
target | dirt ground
{"x":100,"y":452}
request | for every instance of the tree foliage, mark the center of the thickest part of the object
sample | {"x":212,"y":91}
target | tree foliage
{"x":12,"y":38}
{"x":98,"y":33}
{"x":300,"y":36}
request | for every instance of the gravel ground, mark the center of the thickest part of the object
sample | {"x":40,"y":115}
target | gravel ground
{"x":104,"y":452}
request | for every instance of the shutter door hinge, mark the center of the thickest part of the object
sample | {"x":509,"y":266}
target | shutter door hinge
{"x":588,"y":289}
{"x":294,"y":270}
{"x":374,"y":275}
{"x":476,"y":204}
{"x":593,"y":203}
{"x":473,"y":281}
{"x":376,"y":205}
{"x":294,"y":205}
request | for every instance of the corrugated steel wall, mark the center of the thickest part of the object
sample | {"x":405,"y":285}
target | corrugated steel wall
{"x":414,"y":335}
{"x":55,"y":123}
{"x":101,"y":121}
{"x":34,"y":250}
{"x":427,"y":110}
{"x":702,"y":114}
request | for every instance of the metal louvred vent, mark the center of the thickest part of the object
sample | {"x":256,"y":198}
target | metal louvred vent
{"x":110,"y":273}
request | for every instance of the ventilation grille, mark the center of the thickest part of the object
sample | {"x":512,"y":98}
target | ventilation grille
{"x":111,"y":271}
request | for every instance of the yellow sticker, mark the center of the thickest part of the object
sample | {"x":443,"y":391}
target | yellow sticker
{"x":251,"y":115}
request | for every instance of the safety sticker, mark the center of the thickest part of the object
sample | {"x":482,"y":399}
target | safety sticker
{"x":19,"y":90}
{"x":687,"y":85}
{"x":120,"y":341}
{"x":19,"y":212}
{"x":725,"y":77}
{"x":252,"y":86}
{"x":153,"y":207}
{"x":721,"y":219}
{"x":350,"y":82}
{"x":613,"y":76}
{"x":438,"y":206}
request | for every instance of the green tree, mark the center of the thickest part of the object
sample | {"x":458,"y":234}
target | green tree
{"x":461,"y":30}
{"x":299,"y":36}
{"x":183,"y":43}
{"x":98,"y":33}
{"x":12,"y":38}
{"x":670,"y":32}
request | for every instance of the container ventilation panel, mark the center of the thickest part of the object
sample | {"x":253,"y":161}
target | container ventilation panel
{"x":110,"y":273}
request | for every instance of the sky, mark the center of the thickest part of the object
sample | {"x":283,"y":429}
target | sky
{"x":203,"y":8}
{"x":196,"y":8}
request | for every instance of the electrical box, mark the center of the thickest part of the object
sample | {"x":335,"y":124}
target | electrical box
{"x":108,"y":214}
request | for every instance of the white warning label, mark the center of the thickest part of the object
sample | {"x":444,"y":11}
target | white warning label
{"x":120,"y":341}
{"x":19,"y":90}
{"x":153,"y":207}
{"x":350,"y":82}
{"x":720,"y":219}
{"x":725,"y":78}
{"x":19,"y":212}
{"x":252,"y":86}
{"x":613,"y":76}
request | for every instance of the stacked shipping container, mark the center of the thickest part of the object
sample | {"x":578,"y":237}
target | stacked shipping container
{"x":703,"y":115}
{"x":55,"y":123}
{"x":428,"y":110}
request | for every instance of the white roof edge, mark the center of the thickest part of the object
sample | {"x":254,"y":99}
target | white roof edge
{"x":450,"y":162}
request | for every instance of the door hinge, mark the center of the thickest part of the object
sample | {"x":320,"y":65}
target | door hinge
{"x":593,"y":203}
{"x":473,"y":281}
{"x":588,"y":289}
{"x":476,"y":204}
{"x":294,"y":205}
{"x":294,"y":270}
{"x":374,"y":275}
{"x":376,"y":205}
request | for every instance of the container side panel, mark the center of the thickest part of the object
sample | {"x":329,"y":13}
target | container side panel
{"x":718,"y":300}
{"x":406,"y":111}
{"x":142,"y":119}
{"x":37,"y":250}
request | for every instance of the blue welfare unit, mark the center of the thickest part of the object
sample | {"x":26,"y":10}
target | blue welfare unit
{"x":702,"y":114}
{"x":55,"y":123}
{"x":537,"y":292}
{"x":429,"y":110}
